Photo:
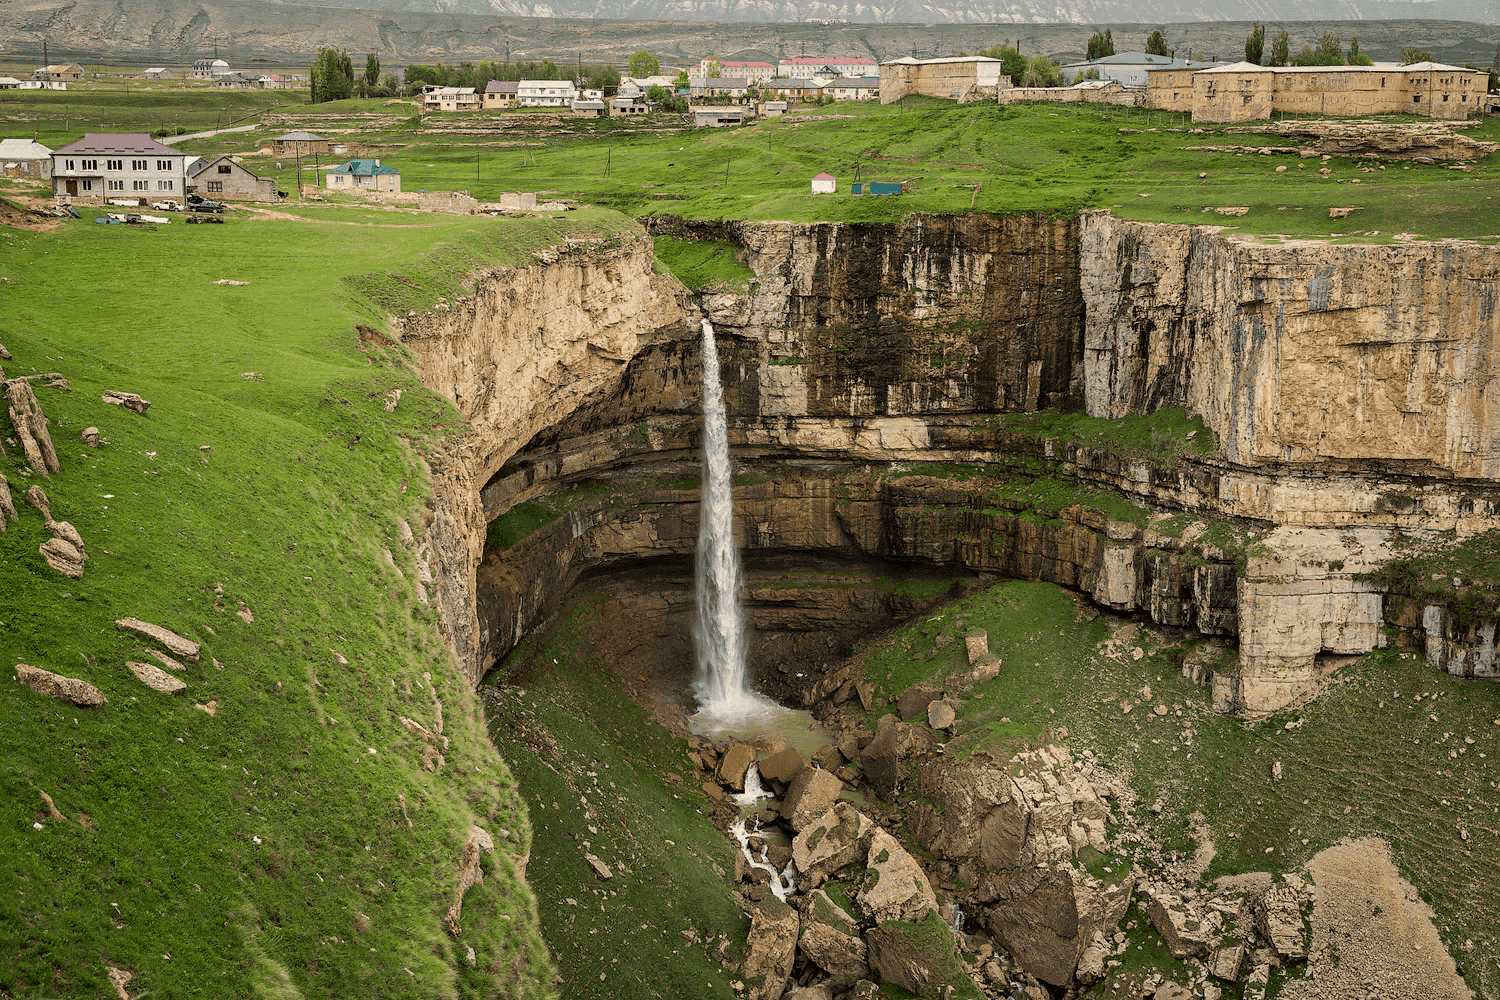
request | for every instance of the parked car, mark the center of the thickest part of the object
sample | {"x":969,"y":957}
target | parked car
{"x":210,"y":207}
{"x":166,"y":205}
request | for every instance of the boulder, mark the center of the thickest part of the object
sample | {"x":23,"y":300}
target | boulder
{"x":69,"y":689}
{"x":900,"y":890}
{"x":1046,"y":918}
{"x":837,"y":838}
{"x":940,"y":714}
{"x":63,"y":556}
{"x":837,"y":952}
{"x":1180,"y":923}
{"x":129,"y":400}
{"x":156,"y":678}
{"x":1278,"y":917}
{"x":914,"y":701}
{"x":883,"y":760}
{"x":90,"y":436}
{"x":921,"y":958}
{"x":30,"y":425}
{"x":812,"y":793}
{"x":782,"y":766}
{"x":1225,"y":963}
{"x":733,"y":765}
{"x":977,"y":646}
{"x":7,"y":504}
{"x":770,"y":950}
{"x":180,"y":646}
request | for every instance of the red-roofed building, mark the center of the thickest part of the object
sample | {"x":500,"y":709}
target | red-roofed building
{"x":824,"y":184}
{"x":754,"y":72}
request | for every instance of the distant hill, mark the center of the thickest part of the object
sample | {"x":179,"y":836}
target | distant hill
{"x":175,"y":31}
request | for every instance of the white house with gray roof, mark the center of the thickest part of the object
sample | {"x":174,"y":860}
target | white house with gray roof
{"x":110,"y":165}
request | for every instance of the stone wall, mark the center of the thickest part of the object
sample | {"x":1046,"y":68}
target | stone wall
{"x":1112,"y":94}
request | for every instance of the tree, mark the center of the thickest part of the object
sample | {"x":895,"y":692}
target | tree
{"x":372,"y":71}
{"x":600,"y":77}
{"x":1356,"y":57}
{"x":1012,"y":63}
{"x":1255,"y":45}
{"x":1413,"y":55}
{"x":643,"y":64}
{"x":1330,"y":52}
{"x":1281,"y":46}
{"x":1156,"y":44}
{"x":1041,"y":72}
{"x":656,"y":93}
{"x":331,"y":76}
{"x":1101,"y":45}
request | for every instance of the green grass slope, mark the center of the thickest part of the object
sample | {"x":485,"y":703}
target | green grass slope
{"x":290,"y":844}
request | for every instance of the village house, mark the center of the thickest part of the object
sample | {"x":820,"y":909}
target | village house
{"x":158,"y":73}
{"x":65,"y":72}
{"x":299,"y":142}
{"x":827,"y":67}
{"x":225,"y":179}
{"x":545,"y":93}
{"x":452,"y":99}
{"x":718,"y":117}
{"x":590,"y":109}
{"x":718,"y":87}
{"x":9,"y":83}
{"x":25,"y":158}
{"x":236,"y":80}
{"x":207,"y":69}
{"x":362,"y":175}
{"x":960,"y":78}
{"x":753,"y":71}
{"x":853,"y":88}
{"x":275,"y":81}
{"x":824,"y":184}
{"x":793,"y":90}
{"x":1244,"y":91}
{"x":107,"y":165}
{"x":499,"y":95}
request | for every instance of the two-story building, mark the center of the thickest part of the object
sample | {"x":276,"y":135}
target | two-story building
{"x":545,"y":93}
{"x":748,"y":69}
{"x":65,"y":72}
{"x":207,"y":69}
{"x":853,"y":88}
{"x":109,"y":165}
{"x":452,"y":99}
{"x":827,"y":67}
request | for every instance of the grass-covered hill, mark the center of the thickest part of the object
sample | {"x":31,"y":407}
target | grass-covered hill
{"x":290,"y":843}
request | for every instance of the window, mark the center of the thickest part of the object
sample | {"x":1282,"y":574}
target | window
{"x":163,"y":164}
{"x":215,"y":187}
{"x":138,"y":165}
{"x":91,"y":164}
{"x":68,"y":164}
{"x":140,"y":185}
{"x":86,"y":185}
{"x":114,"y":164}
{"x":224,"y":168}
{"x":165,"y":185}
{"x":1416,"y":97}
{"x":115,"y":185}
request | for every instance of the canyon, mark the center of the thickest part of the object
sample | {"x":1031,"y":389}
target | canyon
{"x":1229,"y":435}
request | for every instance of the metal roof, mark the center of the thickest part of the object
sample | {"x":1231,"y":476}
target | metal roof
{"x":107,"y":142}
{"x":363,"y":168}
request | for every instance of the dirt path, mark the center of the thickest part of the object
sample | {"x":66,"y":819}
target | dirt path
{"x":1371,"y":934}
{"x":270,"y":213}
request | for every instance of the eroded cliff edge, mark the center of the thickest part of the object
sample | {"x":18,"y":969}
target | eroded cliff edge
{"x":1347,"y":388}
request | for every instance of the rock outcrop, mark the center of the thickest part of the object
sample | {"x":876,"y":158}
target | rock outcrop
{"x":771,"y":949}
{"x":69,"y":689}
{"x":181,"y":646}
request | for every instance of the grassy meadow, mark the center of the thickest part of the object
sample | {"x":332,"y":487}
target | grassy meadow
{"x":1038,"y":157}
{"x":290,"y":843}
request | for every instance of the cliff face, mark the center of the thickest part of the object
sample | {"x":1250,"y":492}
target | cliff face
{"x":1300,"y":353}
{"x":1349,"y":388}
{"x":529,"y":348}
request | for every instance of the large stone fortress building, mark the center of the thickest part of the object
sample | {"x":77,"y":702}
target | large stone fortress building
{"x":1246,"y":92}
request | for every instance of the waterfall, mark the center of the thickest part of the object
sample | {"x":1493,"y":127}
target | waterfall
{"x":719,"y":632}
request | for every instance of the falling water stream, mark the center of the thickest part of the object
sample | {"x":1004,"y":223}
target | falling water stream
{"x":724,"y":694}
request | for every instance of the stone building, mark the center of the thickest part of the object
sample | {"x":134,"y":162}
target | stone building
{"x":1246,"y":92}
{"x":961,"y":78}
{"x":107,"y":165}
{"x":225,"y":179}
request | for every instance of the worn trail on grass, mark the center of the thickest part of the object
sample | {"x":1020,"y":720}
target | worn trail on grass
{"x":268,"y":213}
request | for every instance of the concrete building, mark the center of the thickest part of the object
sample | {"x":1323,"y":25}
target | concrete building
{"x":824,"y":184}
{"x":1246,"y":92}
{"x":25,"y":158}
{"x":959,"y":78}
{"x":590,"y":109}
{"x":718,"y":117}
{"x":452,"y":99}
{"x":735,"y":87}
{"x":853,"y":88}
{"x":225,"y":179}
{"x":108,"y":165}
{"x":545,"y":93}
{"x":207,"y":69}
{"x":750,"y":70}
{"x":66,"y":72}
{"x":362,"y":175}
{"x":1128,"y":69}
{"x":9,"y":83}
{"x":236,"y":81}
{"x":499,"y":95}
{"x":827,"y":67}
{"x":158,"y":73}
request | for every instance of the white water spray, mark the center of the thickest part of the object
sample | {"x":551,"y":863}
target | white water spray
{"x":719,"y":631}
{"x":782,"y":882}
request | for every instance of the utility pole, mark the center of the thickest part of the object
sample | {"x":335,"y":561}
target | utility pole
{"x":476,"y":167}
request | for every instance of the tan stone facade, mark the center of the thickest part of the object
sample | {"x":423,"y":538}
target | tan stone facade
{"x":1246,"y":92}
{"x":961,"y":78}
